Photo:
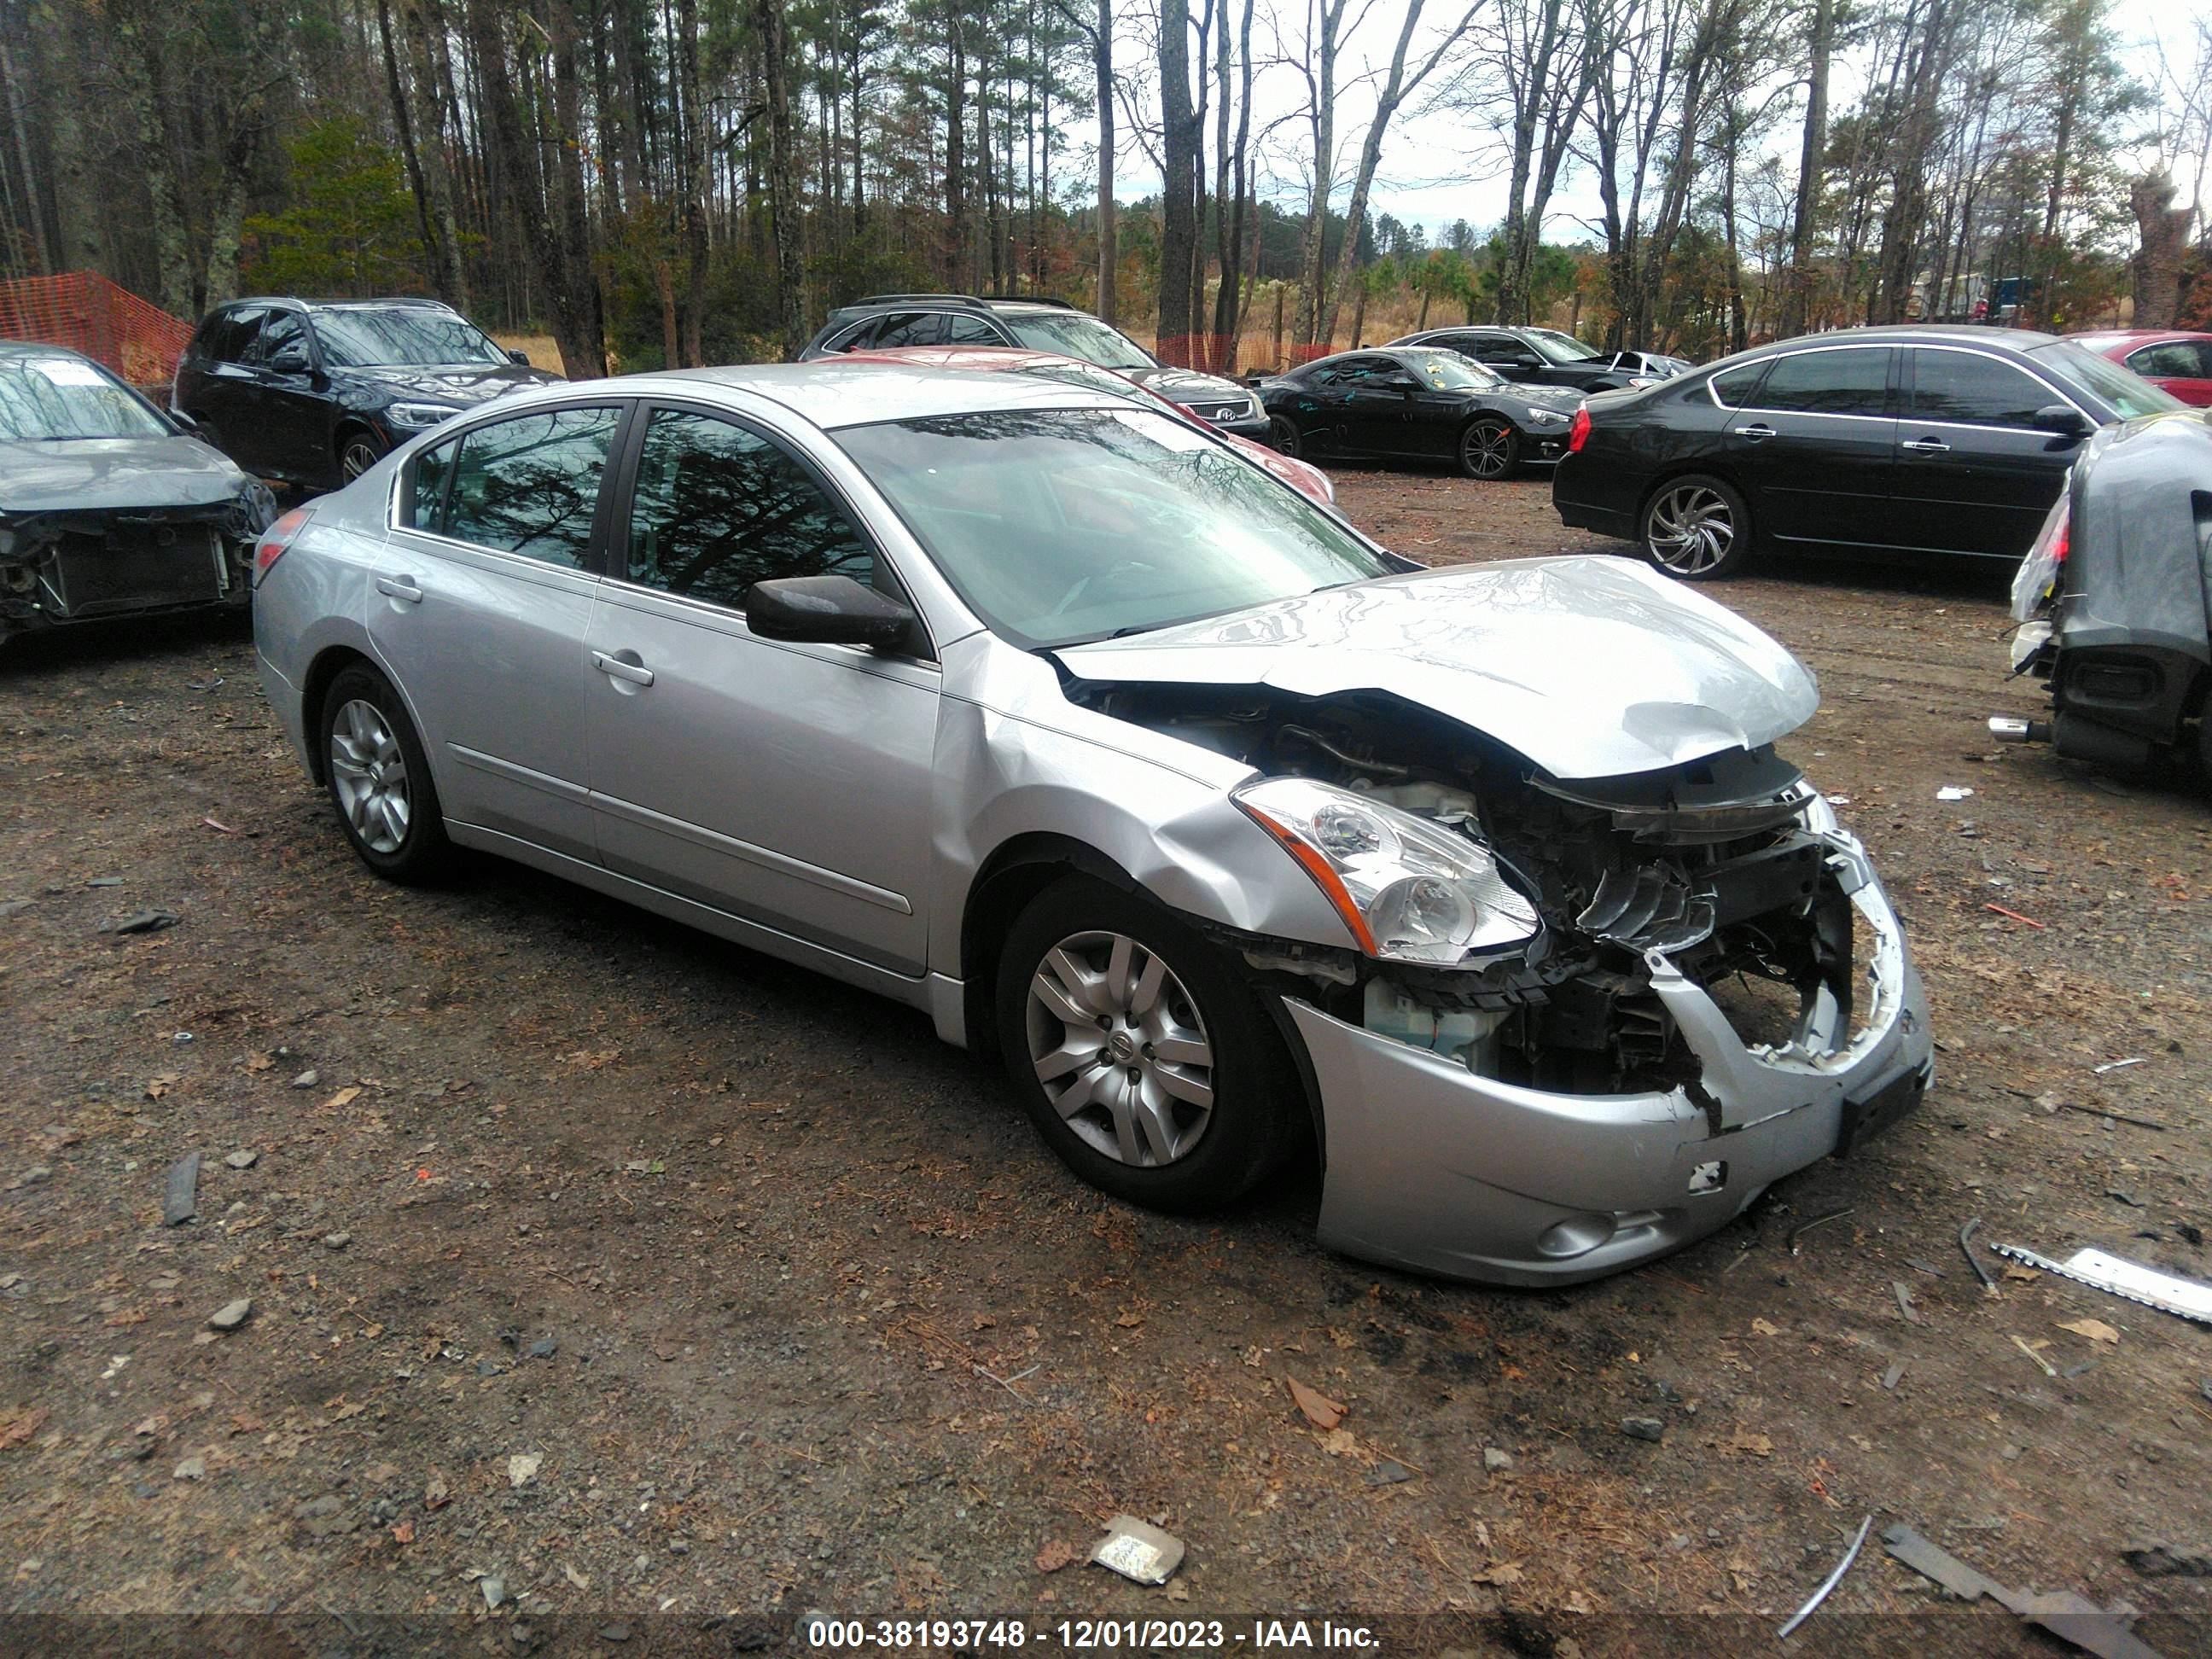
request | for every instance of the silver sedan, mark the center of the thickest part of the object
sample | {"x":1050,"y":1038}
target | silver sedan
{"x":1234,"y":835}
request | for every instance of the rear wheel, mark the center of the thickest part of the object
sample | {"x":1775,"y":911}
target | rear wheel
{"x":379,"y":781}
{"x":1489,"y":449}
{"x":1698,"y":528}
{"x":1147,"y":1065}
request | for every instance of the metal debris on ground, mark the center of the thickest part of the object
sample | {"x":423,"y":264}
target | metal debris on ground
{"x":180,"y":1200}
{"x":1966,"y":1249}
{"x":1828,"y":1583}
{"x":2118,"y":1066}
{"x":1139,"y":1551}
{"x":2070,"y":1618}
{"x":1804,"y":1227}
{"x":142,"y":921}
{"x":2187,"y":1298}
{"x":2109,"y":1115}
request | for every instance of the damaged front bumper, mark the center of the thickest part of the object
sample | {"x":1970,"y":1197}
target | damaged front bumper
{"x":58,"y":568}
{"x":1433,"y":1167}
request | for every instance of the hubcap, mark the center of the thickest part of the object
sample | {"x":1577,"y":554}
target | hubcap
{"x":358,"y":456}
{"x":369,"y":774}
{"x":1487,"y":449}
{"x":1119,"y":1048}
{"x":1691,"y":530}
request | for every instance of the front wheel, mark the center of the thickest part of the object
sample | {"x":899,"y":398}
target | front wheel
{"x":358,"y":451}
{"x":1697,"y":528}
{"x":379,"y":782}
{"x":1145,"y":1062}
{"x":1283,"y":433}
{"x":1489,"y":449}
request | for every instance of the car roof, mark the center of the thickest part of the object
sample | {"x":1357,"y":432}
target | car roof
{"x":2019,"y":339}
{"x":834,"y":391}
{"x":412,"y":301}
{"x":2136,"y":336}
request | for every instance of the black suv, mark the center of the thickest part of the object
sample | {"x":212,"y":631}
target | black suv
{"x":1544,"y":356}
{"x":310,"y":394}
{"x":960,"y":319}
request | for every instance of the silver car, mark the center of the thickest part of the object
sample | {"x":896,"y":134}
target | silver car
{"x":1220,"y":824}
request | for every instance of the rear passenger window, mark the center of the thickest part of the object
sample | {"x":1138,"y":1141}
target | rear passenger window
{"x":972,"y":331}
{"x":2172,"y":360}
{"x":1851,"y":381}
{"x":229,"y":335}
{"x":1972,"y":390}
{"x":912,"y":328}
{"x":1731,"y":386}
{"x":531,"y":485}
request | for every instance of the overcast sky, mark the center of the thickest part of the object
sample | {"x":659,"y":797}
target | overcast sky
{"x":1434,"y":166}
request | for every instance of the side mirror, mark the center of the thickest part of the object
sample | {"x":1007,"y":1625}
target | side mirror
{"x":186,"y":425}
{"x":825,"y":611}
{"x":1528,"y":360}
{"x":2063,"y":419}
{"x":290,"y":359}
{"x":518,"y":357}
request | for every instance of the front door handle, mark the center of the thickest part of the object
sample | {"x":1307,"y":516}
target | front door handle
{"x":400,"y":587}
{"x":636,"y":672}
{"x":1926,"y":447}
{"x":1755,"y":432}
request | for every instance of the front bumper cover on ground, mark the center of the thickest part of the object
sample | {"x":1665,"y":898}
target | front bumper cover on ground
{"x":1434,"y":1168}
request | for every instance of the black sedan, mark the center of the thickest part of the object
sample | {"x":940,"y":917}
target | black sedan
{"x":1416,"y":404}
{"x":312,"y":394}
{"x":1545,"y":357}
{"x":1912,"y":440}
{"x":108,"y":507}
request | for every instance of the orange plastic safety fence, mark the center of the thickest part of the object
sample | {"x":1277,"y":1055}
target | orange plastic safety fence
{"x":85,"y":312}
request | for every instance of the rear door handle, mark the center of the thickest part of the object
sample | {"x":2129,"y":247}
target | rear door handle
{"x":399,"y":587}
{"x":636,"y":672}
{"x":1926,"y":447}
{"x":1755,"y":432}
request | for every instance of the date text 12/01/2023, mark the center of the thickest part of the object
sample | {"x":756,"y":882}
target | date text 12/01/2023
{"x":1082,"y":1635}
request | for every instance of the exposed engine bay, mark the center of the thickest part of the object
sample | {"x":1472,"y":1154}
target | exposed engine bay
{"x":78,"y":566}
{"x":1711,"y":868}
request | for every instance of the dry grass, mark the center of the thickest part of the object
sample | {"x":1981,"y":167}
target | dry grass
{"x":543,"y":354}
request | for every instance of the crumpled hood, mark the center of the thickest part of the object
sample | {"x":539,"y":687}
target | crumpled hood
{"x":1592,"y":667}
{"x":79,"y":475}
{"x":1188,"y":387}
{"x":457,"y":383}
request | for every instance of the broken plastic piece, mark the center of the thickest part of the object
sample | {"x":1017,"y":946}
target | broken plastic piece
{"x":2168,"y":1292}
{"x":1966,"y":1249}
{"x":1138,"y":1550}
{"x":2069,"y":1617}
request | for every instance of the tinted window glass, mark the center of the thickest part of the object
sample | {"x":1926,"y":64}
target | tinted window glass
{"x":2130,"y":395}
{"x":1958,"y":386}
{"x":426,"y":499}
{"x":420,"y":335}
{"x":231,"y":336}
{"x":2172,"y":360}
{"x":1072,"y":334}
{"x":717,"y":508}
{"x":1733,"y":386}
{"x":1498,"y":348}
{"x":283,"y":328}
{"x":911,"y":328}
{"x":529,"y":485}
{"x":973,"y":331}
{"x":1847,"y":382}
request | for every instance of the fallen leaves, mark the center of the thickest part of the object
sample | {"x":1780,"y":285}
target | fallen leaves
{"x":2095,"y":1329}
{"x":522,"y":1468}
{"x":435,"y":1495}
{"x":1319,"y":1409}
{"x":345,"y":1097}
{"x":1057,"y":1552}
{"x":1751,"y":1444}
{"x":19,"y":1426}
{"x":1501,"y":1573}
{"x":1761,"y":1327}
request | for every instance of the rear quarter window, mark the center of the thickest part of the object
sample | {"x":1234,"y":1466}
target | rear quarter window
{"x":1733,"y":386}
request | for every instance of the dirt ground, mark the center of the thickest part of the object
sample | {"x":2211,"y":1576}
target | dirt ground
{"x":648,"y":1277}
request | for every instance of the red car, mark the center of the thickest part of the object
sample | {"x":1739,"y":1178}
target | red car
{"x":2174,"y":359}
{"x":1307,"y":480}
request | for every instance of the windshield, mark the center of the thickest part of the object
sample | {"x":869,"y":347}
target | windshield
{"x":1451,"y":371}
{"x":1059,"y":526}
{"x":56,"y":398}
{"x":1074,"y":334}
{"x":379,"y":336}
{"x":2128,"y":393}
{"x":1560,"y":348}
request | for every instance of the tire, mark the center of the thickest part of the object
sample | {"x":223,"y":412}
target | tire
{"x":1283,"y":433}
{"x":358,"y":450}
{"x":1488,"y":449}
{"x":379,"y":781}
{"x":1697,"y":528}
{"x":1186,"y":1100}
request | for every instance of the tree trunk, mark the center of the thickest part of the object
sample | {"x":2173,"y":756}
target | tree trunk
{"x":692,"y":183}
{"x":1797,"y":288}
{"x":956,"y":161}
{"x":1313,"y":253}
{"x":2165,"y":231}
{"x":1102,"y":59}
{"x":1179,"y":227}
{"x":782,"y":176}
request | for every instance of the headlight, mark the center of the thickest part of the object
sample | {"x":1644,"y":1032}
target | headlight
{"x":419,"y":416}
{"x":1638,"y":381}
{"x":1546,"y":417}
{"x":1409,"y":890}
